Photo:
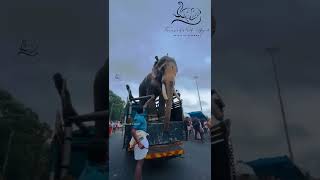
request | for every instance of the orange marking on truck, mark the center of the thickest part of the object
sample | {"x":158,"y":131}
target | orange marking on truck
{"x":164,"y":154}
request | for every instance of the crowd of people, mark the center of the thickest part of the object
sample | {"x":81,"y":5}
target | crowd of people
{"x":195,"y":126}
{"x":114,"y":126}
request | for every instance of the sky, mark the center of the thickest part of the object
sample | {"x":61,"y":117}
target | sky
{"x":242,"y":73}
{"x":138,"y":34}
{"x":72,"y":40}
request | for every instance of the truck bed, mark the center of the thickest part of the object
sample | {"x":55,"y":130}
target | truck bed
{"x":157,"y":136}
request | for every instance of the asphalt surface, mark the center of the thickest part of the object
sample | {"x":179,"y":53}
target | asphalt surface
{"x":195,"y":164}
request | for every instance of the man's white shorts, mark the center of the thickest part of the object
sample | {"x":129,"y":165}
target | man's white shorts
{"x":140,"y":154}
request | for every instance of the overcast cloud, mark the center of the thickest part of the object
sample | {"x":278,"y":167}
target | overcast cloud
{"x":243,"y":75}
{"x":72,"y":40}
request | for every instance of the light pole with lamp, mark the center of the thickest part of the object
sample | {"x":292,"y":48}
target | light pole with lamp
{"x":195,"y":78}
{"x":272,"y":51}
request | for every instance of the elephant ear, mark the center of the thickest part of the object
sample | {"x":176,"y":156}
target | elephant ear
{"x":161,"y":70}
{"x":155,"y":70}
{"x":154,"y":73}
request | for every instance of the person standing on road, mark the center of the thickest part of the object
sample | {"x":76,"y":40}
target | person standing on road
{"x":205,"y":127}
{"x":139,"y":141}
{"x":191,"y":127}
{"x":201,"y":130}
{"x":197,"y":128}
{"x":187,"y":127}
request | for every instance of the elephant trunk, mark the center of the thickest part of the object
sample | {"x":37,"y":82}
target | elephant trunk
{"x":169,"y":92}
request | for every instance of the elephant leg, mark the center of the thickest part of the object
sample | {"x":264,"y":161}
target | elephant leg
{"x":161,"y":109}
{"x":150,"y":103}
{"x":67,"y":107}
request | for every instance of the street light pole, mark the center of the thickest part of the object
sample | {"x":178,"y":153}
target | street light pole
{"x":196,"y":77}
{"x":272,"y":51}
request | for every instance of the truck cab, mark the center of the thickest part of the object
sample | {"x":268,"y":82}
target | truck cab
{"x":162,"y":144}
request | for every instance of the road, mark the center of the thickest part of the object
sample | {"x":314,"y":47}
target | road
{"x":194,"y":165}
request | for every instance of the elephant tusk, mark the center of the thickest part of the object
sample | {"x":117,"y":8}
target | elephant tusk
{"x":164,"y":92}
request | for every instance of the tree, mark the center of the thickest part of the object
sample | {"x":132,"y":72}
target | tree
{"x":117,"y":105}
{"x":28,"y":156}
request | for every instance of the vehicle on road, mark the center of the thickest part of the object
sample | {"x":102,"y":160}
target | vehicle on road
{"x":70,"y":157}
{"x":162,"y":144}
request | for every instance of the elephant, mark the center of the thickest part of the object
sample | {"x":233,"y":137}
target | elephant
{"x":161,"y":83}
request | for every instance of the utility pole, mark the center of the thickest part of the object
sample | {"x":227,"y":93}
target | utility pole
{"x":272,"y":51}
{"x":7,"y":154}
{"x":196,"y":77}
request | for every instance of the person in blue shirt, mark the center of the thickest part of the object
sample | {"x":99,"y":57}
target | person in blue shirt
{"x":139,"y":121}
{"x":139,"y":134}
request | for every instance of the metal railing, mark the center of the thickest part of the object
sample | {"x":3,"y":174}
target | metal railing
{"x":220,"y":133}
{"x":66,"y":155}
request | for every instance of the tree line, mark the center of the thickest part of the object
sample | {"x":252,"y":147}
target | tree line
{"x":116,"y":106}
{"x":26,"y":154}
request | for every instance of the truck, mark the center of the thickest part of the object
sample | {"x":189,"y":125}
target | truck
{"x":70,"y":157}
{"x":222,"y":161}
{"x":162,"y":144}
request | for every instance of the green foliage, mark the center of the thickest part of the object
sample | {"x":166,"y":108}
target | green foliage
{"x":117,"y":105}
{"x":28,"y":157}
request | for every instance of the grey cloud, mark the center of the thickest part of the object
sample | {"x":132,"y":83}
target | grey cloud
{"x":72,"y":39}
{"x":242,"y":72}
{"x":257,"y":128}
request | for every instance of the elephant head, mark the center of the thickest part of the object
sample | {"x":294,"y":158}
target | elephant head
{"x":166,"y":70}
